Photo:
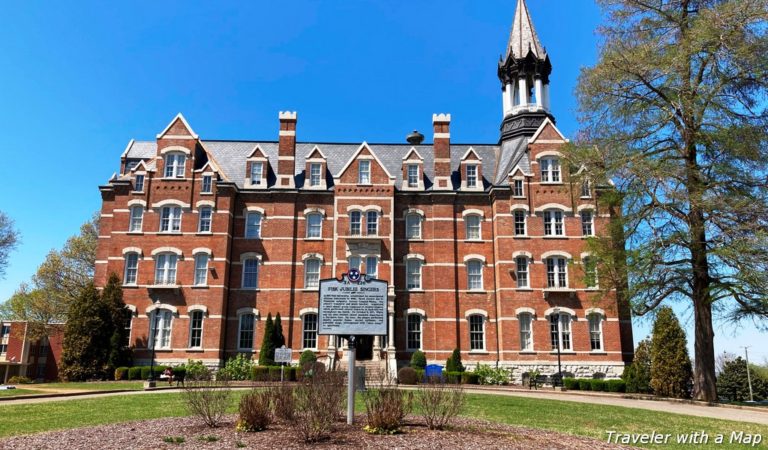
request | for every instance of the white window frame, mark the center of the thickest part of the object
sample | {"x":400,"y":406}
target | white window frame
{"x":166,"y":269}
{"x":257,"y":176}
{"x":192,"y":328}
{"x":522,"y":272}
{"x":206,"y":184}
{"x":240,"y":331}
{"x":201,"y":271}
{"x":136,"y":220}
{"x":592,"y":320}
{"x":474,"y":275}
{"x":372,"y":261}
{"x":205,"y":224}
{"x":413,"y":273}
{"x":354,"y":262}
{"x":372,"y":226}
{"x":554,"y":222}
{"x":312,"y":273}
{"x":317,"y":227}
{"x":161,"y":326}
{"x":175,"y":165}
{"x":472,"y":178}
{"x":469,"y":226}
{"x":315,"y":176}
{"x":557,"y":272}
{"x":550,"y":170}
{"x":410,"y":225}
{"x":414,"y":332}
{"x":254,"y":272}
{"x":518,"y":188}
{"x":472,"y":331}
{"x":520,"y":213}
{"x":131,"y":270}
{"x":170,"y":219}
{"x":364,"y":172}
{"x":526,"y":331}
{"x":587,"y":222}
{"x":355,"y":223}
{"x":253,"y":230}
{"x":412,"y":172}
{"x":309,"y":331}
{"x":561,"y":330}
{"x":586,"y":188}
{"x":138,"y":183}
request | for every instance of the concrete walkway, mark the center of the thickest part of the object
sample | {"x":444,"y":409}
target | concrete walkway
{"x":754,"y":415}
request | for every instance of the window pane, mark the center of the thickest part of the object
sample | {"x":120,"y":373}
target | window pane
{"x":553,"y":331}
{"x":201,"y":269}
{"x":525,"y":332}
{"x":372,"y":223}
{"x":139,"y":183}
{"x":257,"y":172}
{"x":586,"y":223}
{"x":364,"y":172}
{"x":522,"y":272}
{"x":205,"y":219}
{"x":310,"y":331}
{"x":207,"y":184}
{"x":413,"y":268}
{"x":354,"y":223}
{"x":354,"y":262}
{"x":371,"y":266}
{"x":413,"y":226}
{"x":517,"y":188}
{"x":314,"y":174}
{"x":475,"y":275}
{"x":476,"y":333}
{"x":196,"y":329}
{"x":595,"y":332}
{"x":137,"y":216}
{"x":413,"y":175}
{"x":245,"y":338}
{"x":519,"y":223}
{"x":314,"y":225}
{"x":565,"y":331}
{"x":131,"y":268}
{"x":251,"y":273}
{"x":471,"y":176}
{"x":473,"y":226}
{"x":253,"y":225}
{"x":414,"y":332}
{"x":312,"y":273}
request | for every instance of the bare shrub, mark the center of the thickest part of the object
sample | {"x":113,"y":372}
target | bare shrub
{"x":283,"y":402}
{"x":208,"y":399}
{"x":318,"y":404}
{"x":385,"y":409}
{"x":255,"y":411}
{"x":439,"y":402}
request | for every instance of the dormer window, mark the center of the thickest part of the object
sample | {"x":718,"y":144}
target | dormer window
{"x":315,"y":174}
{"x":413,"y":175}
{"x":138,"y":184}
{"x":174,"y":165}
{"x":550,"y":170}
{"x":257,"y":173}
{"x":471,"y":176}
{"x":586,"y":188}
{"x":207,"y":184}
{"x":517,"y":188}
{"x":364,"y":172}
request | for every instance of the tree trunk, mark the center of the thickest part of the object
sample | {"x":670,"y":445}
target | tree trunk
{"x":704,"y":380}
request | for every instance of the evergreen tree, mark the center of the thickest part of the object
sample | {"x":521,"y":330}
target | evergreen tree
{"x":638,"y":374}
{"x":267,"y":352}
{"x":454,"y":362}
{"x":733,"y":383}
{"x":86,"y":333}
{"x":119,"y":353}
{"x":419,"y":360}
{"x":278,"y":340}
{"x":670,"y":364}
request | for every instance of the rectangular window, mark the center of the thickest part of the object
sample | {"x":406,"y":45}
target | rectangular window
{"x":476,"y":332}
{"x":553,"y":223}
{"x":525,"y":332}
{"x":138,"y":184}
{"x":414,"y":332}
{"x":314,"y":174}
{"x":522,"y":271}
{"x":314,"y":225}
{"x":560,"y":331}
{"x":251,"y":273}
{"x":207,"y":186}
{"x":3,"y":349}
{"x":6,"y":330}
{"x":586,"y":188}
{"x":205,"y":214}
{"x":372,"y":223}
{"x":174,"y":165}
{"x":353,"y":262}
{"x":413,"y":267}
{"x":473,"y":226}
{"x":550,"y":170}
{"x":253,"y":225}
{"x":161,"y":329}
{"x":354,"y":223}
{"x":165,"y":269}
{"x":471,"y":176}
{"x":475,"y":275}
{"x":311,"y":273}
{"x":556,"y":273}
{"x":364,"y":172}
{"x":309,"y":335}
{"x":595,"y":332}
{"x":413,"y":175}
{"x":371,"y":266}
{"x":587,"y":228}
{"x":246,"y":331}
{"x":131,"y":268}
{"x":519,"y":223}
{"x":257,"y":173}
{"x":201,"y":269}
{"x":137,"y":217}
{"x":196,"y":329}
{"x":517,"y":188}
{"x":170,"y":219}
{"x":590,"y":272}
{"x":413,"y":226}
{"x":128,"y":320}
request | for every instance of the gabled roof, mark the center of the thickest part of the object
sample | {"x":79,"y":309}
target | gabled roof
{"x":522,"y":36}
{"x":412,"y":151}
{"x":360,"y":149}
{"x":179,"y":117}
{"x":316,"y":153}
{"x":257,"y":152}
{"x":546,"y":123}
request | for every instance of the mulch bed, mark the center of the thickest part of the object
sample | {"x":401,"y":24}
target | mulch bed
{"x":465,"y":433}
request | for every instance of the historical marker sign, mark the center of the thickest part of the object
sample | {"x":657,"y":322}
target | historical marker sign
{"x":283,"y":355}
{"x":350,"y":308}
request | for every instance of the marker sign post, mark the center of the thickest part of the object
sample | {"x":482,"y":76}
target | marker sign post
{"x":354,"y":306}
{"x":283,"y":355}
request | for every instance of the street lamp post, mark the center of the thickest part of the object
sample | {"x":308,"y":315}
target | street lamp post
{"x":152,"y":336}
{"x":556,"y":313}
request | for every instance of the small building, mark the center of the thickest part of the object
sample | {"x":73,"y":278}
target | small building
{"x":20,"y":355}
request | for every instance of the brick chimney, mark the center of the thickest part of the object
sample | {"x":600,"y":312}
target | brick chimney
{"x":286,"y":153}
{"x":442,"y":144}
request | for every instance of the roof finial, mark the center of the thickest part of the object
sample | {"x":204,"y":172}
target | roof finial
{"x":523,"y":35}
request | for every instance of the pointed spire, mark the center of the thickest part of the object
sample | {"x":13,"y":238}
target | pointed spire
{"x":522,"y":37}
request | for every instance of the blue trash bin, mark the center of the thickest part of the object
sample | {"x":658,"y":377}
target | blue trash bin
{"x":433,"y":371}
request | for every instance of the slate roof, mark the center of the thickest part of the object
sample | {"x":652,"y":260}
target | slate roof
{"x":523,"y":37}
{"x":231,"y":156}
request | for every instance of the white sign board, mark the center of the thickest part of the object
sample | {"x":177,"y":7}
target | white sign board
{"x":283,"y":355}
{"x":353,"y":308}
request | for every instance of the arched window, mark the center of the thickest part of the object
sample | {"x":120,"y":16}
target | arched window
{"x":521,"y":272}
{"x":475,"y":275}
{"x":476,"y":332}
{"x":250,"y":273}
{"x":413,"y":274}
{"x":201,"y":269}
{"x":526,"y":331}
{"x":309,"y":331}
{"x":311,"y":273}
{"x":165,"y":268}
{"x":472,"y":222}
{"x":550,"y":170}
{"x":245,"y":332}
{"x":557,"y":272}
{"x":196,"y":329}
{"x":314,"y":225}
{"x":587,"y":223}
{"x":520,"y":222}
{"x":170,"y":219}
{"x":253,"y":225}
{"x":372,"y":223}
{"x":137,"y":217}
{"x":560,"y":331}
{"x":174,"y":165}
{"x":355,"y":220}
{"x":553,"y":223}
{"x":204,"y":224}
{"x":413,"y":226}
{"x":413,"y":338}
{"x":595,"y":332}
{"x":160,"y":333}
{"x":131,"y":268}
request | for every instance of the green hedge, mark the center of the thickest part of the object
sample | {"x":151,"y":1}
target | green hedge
{"x":470,"y":378}
{"x":588,"y":384}
{"x":121,"y":373}
{"x":585,"y":384}
{"x":571,"y":384}
{"x":616,"y":385}
{"x":272,"y":373}
{"x":597,"y":385}
{"x":420,"y":373}
{"x":134,"y":373}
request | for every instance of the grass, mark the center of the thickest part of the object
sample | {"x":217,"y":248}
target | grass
{"x":17,"y":392}
{"x":567,"y":417}
{"x":95,"y":386}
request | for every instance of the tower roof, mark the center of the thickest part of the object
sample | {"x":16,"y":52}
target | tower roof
{"x":522,"y":37}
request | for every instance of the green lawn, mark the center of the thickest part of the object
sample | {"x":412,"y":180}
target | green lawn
{"x":95,"y":386}
{"x":17,"y":392}
{"x":567,"y":417}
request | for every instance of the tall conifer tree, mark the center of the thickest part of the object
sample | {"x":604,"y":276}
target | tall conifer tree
{"x":670,"y":364}
{"x":86,"y":334}
{"x":267,"y":352}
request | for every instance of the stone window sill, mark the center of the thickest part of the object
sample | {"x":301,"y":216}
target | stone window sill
{"x":199,"y":286}
{"x":135,"y":233}
{"x":478,"y":352}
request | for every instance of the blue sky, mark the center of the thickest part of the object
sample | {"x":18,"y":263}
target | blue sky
{"x":78,"y":82}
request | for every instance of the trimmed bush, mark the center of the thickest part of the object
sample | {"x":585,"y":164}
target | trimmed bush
{"x":238,"y":368}
{"x":307,"y":356}
{"x":157,"y":370}
{"x":453,"y":364}
{"x":615,"y":385}
{"x":260,"y":373}
{"x":453,"y":377}
{"x":470,"y":378}
{"x":571,"y":384}
{"x":134,"y":373}
{"x":196,"y":370}
{"x":418,"y":360}
{"x":121,"y":373}
{"x":274,"y":373}
{"x":407,"y":375}
{"x":585,"y":384}
{"x":420,"y":373}
{"x":18,"y":379}
{"x":597,"y":385}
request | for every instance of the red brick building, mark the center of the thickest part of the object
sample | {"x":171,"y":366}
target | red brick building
{"x":483,"y":246}
{"x":36,"y":359}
